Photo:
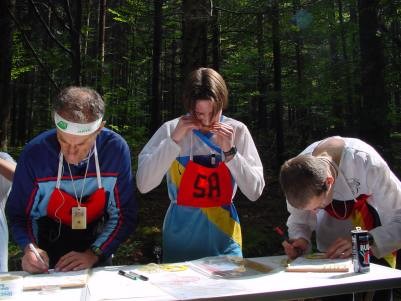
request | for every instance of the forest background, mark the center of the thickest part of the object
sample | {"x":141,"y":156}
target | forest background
{"x":297,"y":71}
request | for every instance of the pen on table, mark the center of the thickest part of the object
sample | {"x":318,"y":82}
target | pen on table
{"x":35,"y":251}
{"x":125,"y":274}
{"x":136,"y":275}
{"x":133,"y":275}
{"x":280,"y":232}
{"x":144,"y":278}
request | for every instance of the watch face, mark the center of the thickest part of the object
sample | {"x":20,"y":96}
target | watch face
{"x":96,"y":251}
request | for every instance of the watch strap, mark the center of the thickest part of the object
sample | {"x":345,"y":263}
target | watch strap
{"x":231,"y":152}
{"x":97,"y":251}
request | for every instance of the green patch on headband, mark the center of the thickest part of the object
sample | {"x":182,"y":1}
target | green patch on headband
{"x":62,"y":125}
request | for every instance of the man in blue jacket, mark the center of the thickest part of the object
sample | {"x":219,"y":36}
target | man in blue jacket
{"x":72,"y":201}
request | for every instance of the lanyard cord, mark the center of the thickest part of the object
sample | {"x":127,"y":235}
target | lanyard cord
{"x":83,"y":184}
{"x":61,"y":169}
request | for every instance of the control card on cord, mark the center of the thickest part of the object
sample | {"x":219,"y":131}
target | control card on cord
{"x":78,"y":218}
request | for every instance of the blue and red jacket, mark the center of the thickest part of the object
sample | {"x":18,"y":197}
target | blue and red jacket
{"x":35,"y":179}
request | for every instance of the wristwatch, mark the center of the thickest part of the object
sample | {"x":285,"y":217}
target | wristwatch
{"x":97,"y":251}
{"x":231,"y":152}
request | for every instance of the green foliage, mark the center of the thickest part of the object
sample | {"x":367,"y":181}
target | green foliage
{"x":139,"y":248}
{"x":117,"y":16}
{"x":14,"y":257}
{"x":21,"y":64}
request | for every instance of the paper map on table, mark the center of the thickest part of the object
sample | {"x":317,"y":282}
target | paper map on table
{"x":228,"y":267}
{"x":326,"y":265}
{"x":57,"y":279}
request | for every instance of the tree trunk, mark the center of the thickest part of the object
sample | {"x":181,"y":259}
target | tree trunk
{"x":356,"y":68}
{"x":195,"y":28}
{"x":335,"y":91}
{"x":278,"y":103}
{"x":157,"y":46}
{"x":262,"y":77}
{"x":101,"y":44}
{"x":373,"y":116}
{"x":73,"y":10}
{"x":299,"y":114}
{"x":216,"y":40}
{"x":6,"y":30}
{"x":173,"y":79}
{"x":349,"y":108}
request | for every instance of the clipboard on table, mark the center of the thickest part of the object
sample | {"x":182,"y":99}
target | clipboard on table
{"x":225,"y":266}
{"x":319,"y":265}
{"x":73,"y":279}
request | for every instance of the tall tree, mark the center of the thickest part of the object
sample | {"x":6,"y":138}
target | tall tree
{"x":6,"y":30}
{"x":262,"y":77}
{"x":278,"y":102}
{"x":216,"y":53}
{"x":156,"y":59}
{"x":336,"y":97}
{"x":101,"y":44}
{"x":298,"y":113}
{"x":196,"y":14}
{"x":349,"y":108}
{"x":73,"y":11}
{"x":373,"y":116}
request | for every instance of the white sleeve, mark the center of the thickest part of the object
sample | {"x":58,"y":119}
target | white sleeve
{"x":245,"y":166}
{"x":5,"y":184}
{"x":300,"y":223}
{"x":386,"y":198}
{"x":155,"y":159}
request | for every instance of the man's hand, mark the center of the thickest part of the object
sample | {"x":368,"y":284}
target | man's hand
{"x":74,"y":261}
{"x":32,"y":264}
{"x":295,"y":247}
{"x":184,"y":125}
{"x":341,"y":248}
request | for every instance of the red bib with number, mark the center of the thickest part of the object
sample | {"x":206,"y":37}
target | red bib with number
{"x":205,"y":186}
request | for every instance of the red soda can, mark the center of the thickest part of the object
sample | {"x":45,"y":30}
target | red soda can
{"x":360,"y":250}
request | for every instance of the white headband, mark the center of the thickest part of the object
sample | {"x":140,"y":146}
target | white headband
{"x":80,"y":129}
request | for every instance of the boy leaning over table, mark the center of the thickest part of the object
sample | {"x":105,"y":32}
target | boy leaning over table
{"x":335,"y":185}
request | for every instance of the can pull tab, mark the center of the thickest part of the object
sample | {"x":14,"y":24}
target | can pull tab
{"x":358,"y":228}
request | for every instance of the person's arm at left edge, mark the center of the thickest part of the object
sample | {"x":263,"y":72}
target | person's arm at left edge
{"x":7,"y":166}
{"x":19,"y":207}
{"x":121,"y":209}
{"x":246,"y":166}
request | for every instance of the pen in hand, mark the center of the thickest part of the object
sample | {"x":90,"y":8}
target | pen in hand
{"x":280,"y":232}
{"x":35,"y":251}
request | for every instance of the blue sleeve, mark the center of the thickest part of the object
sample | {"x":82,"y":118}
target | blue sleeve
{"x":20,"y":200}
{"x":123,"y":211}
